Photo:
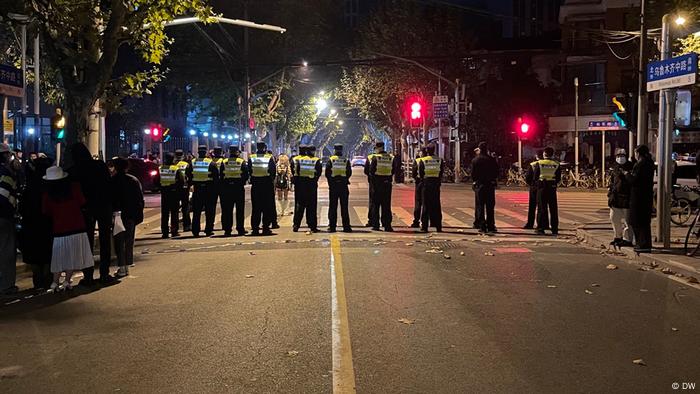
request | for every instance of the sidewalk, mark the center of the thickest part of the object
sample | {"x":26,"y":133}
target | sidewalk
{"x":672,"y":261}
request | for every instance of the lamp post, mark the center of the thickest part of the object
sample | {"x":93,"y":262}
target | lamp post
{"x":664,"y":147}
{"x":576,"y":136}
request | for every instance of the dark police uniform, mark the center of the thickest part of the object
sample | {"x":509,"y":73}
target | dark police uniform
{"x":418,"y":196}
{"x":308,"y":171}
{"x":262,"y":193}
{"x":184,"y":194}
{"x":172,"y":179}
{"x":485,"y":176}
{"x":532,"y":196}
{"x":371,"y":221}
{"x":547,"y":174}
{"x":234,"y":175}
{"x":338,"y":173}
{"x":430,"y":171}
{"x":382,"y":170}
{"x":203,"y":174}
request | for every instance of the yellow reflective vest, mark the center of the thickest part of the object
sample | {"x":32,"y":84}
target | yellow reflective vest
{"x":548,"y":170}
{"x":260,"y":164}
{"x":385,"y":163}
{"x":200,"y":170}
{"x":431,"y":166}
{"x":235,"y":169}
{"x":307,"y":166}
{"x":339,"y":166}
{"x":168,"y":175}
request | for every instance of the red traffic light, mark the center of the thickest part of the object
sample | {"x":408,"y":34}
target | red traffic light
{"x":416,"y":108}
{"x":155,"y":132}
{"x":524,"y":128}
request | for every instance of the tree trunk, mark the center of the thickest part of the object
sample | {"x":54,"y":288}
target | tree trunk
{"x":77,"y":113}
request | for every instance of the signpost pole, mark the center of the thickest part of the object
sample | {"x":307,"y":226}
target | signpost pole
{"x":21,"y":133}
{"x":603,"y":159}
{"x":520,"y":153}
{"x":458,"y":164}
{"x":576,"y":127}
{"x":663,"y":192}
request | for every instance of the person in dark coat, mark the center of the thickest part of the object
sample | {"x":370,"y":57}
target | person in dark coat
{"x":619,"y":200}
{"x":641,"y":179}
{"x":94,"y":179}
{"x":128,"y":203}
{"x":36,"y":227}
{"x":532,"y":196}
{"x":485,"y":176}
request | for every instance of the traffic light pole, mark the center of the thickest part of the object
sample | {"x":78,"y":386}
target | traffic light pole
{"x":520,"y":153}
{"x":642,"y":134}
{"x":458,"y":142}
{"x":663,"y":195}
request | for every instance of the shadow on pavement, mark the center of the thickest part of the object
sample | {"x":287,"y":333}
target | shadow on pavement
{"x":28,"y":301}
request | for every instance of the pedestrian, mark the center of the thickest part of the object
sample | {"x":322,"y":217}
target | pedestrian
{"x":476,"y":224}
{"x":234,"y":175}
{"x":485,"y":176}
{"x":430,"y":171}
{"x":619,"y":200}
{"x":641,"y":180}
{"x":418,"y":194}
{"x":382,"y":170}
{"x":547,"y":174}
{"x":262,"y":192}
{"x":172,"y":179}
{"x":371,"y":221}
{"x":62,"y":203}
{"x":36,"y":227}
{"x":532,"y":195}
{"x":283,"y":182}
{"x":338,"y":173}
{"x":309,"y":170}
{"x":274,"y":225}
{"x":94,"y":179}
{"x":17,"y":166}
{"x":128,"y":207}
{"x":184,"y":193}
{"x":8,"y":205}
{"x":203,"y":171}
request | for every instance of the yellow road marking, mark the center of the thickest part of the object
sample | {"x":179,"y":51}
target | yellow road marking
{"x":343,"y":370}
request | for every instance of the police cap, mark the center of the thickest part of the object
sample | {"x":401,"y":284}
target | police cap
{"x":202,"y":148}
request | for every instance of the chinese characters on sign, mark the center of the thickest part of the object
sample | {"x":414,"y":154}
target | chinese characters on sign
{"x":10,"y":81}
{"x":441,"y":107}
{"x":604,"y":125}
{"x":671,"y":73}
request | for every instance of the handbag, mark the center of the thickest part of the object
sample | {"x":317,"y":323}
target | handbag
{"x":118,"y":226}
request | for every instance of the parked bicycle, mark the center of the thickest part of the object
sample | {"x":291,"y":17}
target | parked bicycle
{"x":516,"y":177}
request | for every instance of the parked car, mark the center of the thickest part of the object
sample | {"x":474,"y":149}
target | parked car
{"x":358,"y":161}
{"x":147,"y":173}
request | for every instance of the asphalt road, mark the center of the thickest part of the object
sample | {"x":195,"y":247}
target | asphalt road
{"x":367,"y":312}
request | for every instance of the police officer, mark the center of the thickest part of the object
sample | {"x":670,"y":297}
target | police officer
{"x":171,"y":180}
{"x":532,"y":199}
{"x":234,"y":175}
{"x":485,"y":176}
{"x":203,"y":172}
{"x":274,"y":225}
{"x":338,"y":173}
{"x":295,"y":172}
{"x":547,"y":174}
{"x":430,"y":171}
{"x":382,"y":170}
{"x":184,"y":192}
{"x":371,"y":221}
{"x":262,"y":194}
{"x":308,"y":171}
{"x":418,"y":196}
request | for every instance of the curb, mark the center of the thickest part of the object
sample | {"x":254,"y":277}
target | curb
{"x":653,"y":260}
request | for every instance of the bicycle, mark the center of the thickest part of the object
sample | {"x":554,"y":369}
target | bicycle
{"x":693,"y":235}
{"x":681,"y":207}
{"x":515,"y":178}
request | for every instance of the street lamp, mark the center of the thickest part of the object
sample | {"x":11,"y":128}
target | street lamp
{"x":321,"y":104}
{"x":206,"y":134}
{"x":247,"y":136}
{"x":340,"y":122}
{"x":215,"y":136}
{"x":30,"y":131}
{"x":333,"y":111}
{"x":305,"y":63}
{"x":193,"y":132}
{"x":680,"y":20}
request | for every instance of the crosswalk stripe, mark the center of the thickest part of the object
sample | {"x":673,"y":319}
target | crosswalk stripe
{"x":452,"y":221}
{"x":323,"y":216}
{"x":362,"y":212}
{"x":499,"y":223}
{"x":404,"y":217}
{"x":515,"y":215}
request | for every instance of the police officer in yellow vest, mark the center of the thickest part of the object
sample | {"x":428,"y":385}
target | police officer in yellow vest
{"x":338,"y":173}
{"x":308,"y":171}
{"x":418,"y":196}
{"x":371,"y":221}
{"x":262,"y":193}
{"x":203,"y":171}
{"x":547,"y":174}
{"x":171,"y":181}
{"x":234,"y":175}
{"x":184,"y":192}
{"x":382,"y":170}
{"x":430,"y":169}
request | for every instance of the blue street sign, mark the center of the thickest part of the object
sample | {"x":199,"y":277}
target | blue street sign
{"x":672,"y":73}
{"x":10,"y":81}
{"x":441,"y":107}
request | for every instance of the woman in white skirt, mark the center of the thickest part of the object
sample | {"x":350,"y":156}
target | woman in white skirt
{"x":62,"y":202}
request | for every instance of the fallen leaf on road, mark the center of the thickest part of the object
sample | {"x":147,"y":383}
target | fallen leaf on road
{"x":250,"y":276}
{"x":692,"y":279}
{"x":251,"y":253}
{"x":379,"y":243}
{"x":654,"y":264}
{"x":409,"y":244}
{"x":611,"y":267}
{"x":446,"y":256}
{"x":674,"y":329}
{"x":639,"y":361}
{"x":309,"y":233}
{"x":679,"y":275}
{"x":644,"y":290}
{"x":434,"y":251}
{"x":489,"y":254}
{"x":462,"y":253}
{"x":551,"y":286}
{"x":145,"y":251}
{"x":588,"y":291}
{"x":406,"y":321}
{"x":667,"y":271}
{"x":595,"y":285}
{"x":643,"y":269}
{"x":292,"y":353}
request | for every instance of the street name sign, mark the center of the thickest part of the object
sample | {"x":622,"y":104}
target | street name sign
{"x":10,"y":81}
{"x":441,"y":107}
{"x":672,"y":73}
{"x":604,"y":125}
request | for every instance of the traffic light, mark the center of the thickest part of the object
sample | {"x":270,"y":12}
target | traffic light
{"x":524,"y":128}
{"x":166,"y":136}
{"x":155,"y":134}
{"x":58,"y":126}
{"x":415,"y":112}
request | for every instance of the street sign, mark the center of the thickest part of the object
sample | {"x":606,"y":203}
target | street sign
{"x":10,"y":81}
{"x":604,"y":125}
{"x":672,"y":73}
{"x":8,"y":126}
{"x":441,"y":107}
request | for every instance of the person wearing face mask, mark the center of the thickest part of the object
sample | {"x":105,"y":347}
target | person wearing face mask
{"x":619,"y":200}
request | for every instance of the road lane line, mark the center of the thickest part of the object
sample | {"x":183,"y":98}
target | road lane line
{"x":343,"y":369}
{"x":402,"y":215}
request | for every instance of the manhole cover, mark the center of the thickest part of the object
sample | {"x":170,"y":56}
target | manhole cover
{"x":442,"y":245}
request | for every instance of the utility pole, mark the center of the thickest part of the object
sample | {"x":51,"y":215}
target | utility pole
{"x":666,"y":100}
{"x":458,"y":164}
{"x":22,"y":131}
{"x":576,"y":126}
{"x":37,"y":95}
{"x":246,"y":50}
{"x":642,"y":133}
